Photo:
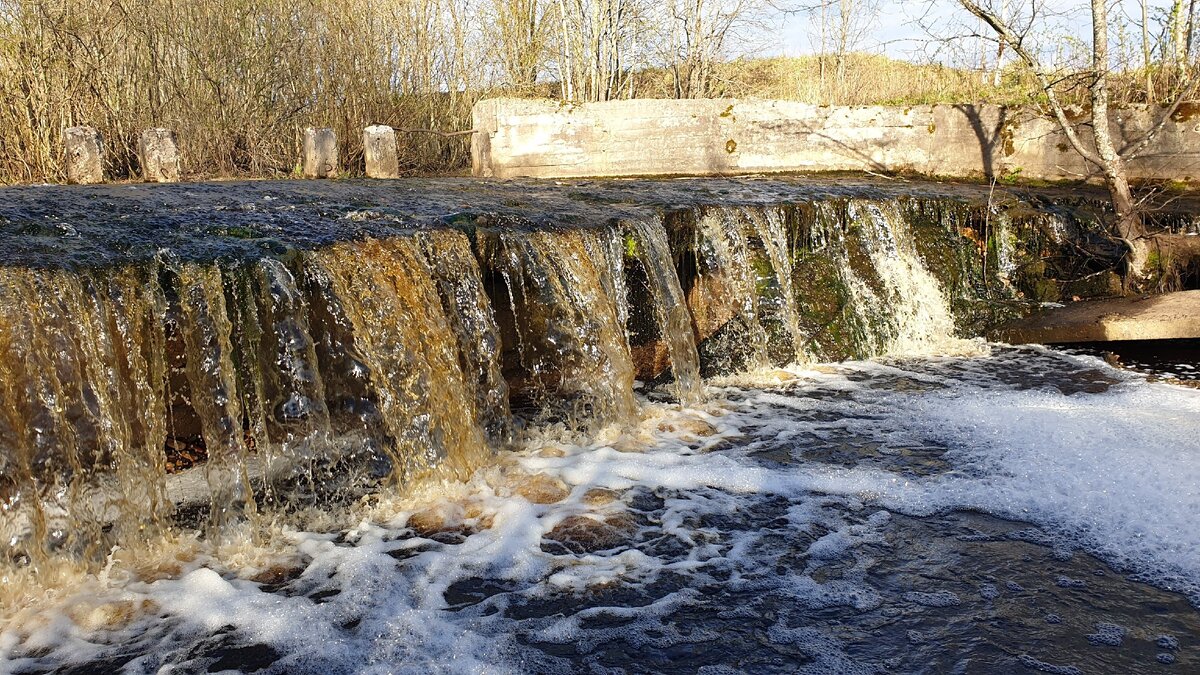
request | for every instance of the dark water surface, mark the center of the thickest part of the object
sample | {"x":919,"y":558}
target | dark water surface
{"x":89,"y":226}
{"x":1018,"y":511}
{"x":1169,"y":360}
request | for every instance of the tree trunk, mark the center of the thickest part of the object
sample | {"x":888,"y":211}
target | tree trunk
{"x":1128,"y":222}
{"x":1178,"y":36}
{"x":1146,"y":61}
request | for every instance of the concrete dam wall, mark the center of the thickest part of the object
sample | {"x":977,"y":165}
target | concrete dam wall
{"x":548,"y":139}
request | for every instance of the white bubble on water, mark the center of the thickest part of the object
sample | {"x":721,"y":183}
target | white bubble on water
{"x":1115,"y":473}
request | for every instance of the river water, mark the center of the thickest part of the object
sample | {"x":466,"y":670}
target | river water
{"x":432,"y":427}
{"x":1017,"y":510}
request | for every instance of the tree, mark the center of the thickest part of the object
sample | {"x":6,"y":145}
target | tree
{"x":521,"y":32}
{"x":597,"y":41}
{"x":700,"y":31}
{"x":1103,"y":153}
{"x":842,"y":26}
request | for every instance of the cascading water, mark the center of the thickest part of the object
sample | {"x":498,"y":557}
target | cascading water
{"x":768,"y":225}
{"x":908,"y":311}
{"x":384,"y":355}
{"x":670,"y":306}
{"x":724,"y":259}
{"x":327,"y":386}
{"x":565,"y":304}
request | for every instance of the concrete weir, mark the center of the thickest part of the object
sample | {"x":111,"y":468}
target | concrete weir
{"x":705,"y":137}
{"x":1159,"y":317}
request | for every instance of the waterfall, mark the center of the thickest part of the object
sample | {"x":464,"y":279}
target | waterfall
{"x":670,"y":305}
{"x":769,"y":226}
{"x":909,"y":308}
{"x":207,"y":390}
{"x":81,"y":419}
{"x":725,"y":259}
{"x":565,"y":305}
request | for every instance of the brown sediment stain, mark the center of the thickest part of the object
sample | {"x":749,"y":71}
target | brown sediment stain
{"x":1186,"y":112}
{"x":731,"y":146}
{"x":1007,"y":135}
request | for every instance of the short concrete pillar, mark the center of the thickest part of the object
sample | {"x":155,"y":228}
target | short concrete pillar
{"x":320,"y":153}
{"x":85,"y":155}
{"x":159,"y":155}
{"x":379,"y":151}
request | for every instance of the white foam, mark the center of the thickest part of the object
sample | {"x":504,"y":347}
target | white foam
{"x":1116,"y":473}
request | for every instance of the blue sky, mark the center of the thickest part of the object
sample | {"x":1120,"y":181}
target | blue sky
{"x":898,"y":33}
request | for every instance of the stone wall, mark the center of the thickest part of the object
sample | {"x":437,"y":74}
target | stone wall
{"x":547,"y":139}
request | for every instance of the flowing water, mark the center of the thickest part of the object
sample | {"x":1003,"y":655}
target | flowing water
{"x":353,"y":430}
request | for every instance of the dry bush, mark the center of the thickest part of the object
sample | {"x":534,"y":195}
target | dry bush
{"x":237,"y":79}
{"x":870,"y":79}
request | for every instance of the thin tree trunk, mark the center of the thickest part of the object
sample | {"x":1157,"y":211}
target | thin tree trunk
{"x":1178,"y":35}
{"x":1146,"y":63}
{"x":1128,"y":223}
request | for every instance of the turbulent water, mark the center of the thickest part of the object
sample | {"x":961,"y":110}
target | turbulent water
{"x":954,"y":514}
{"x":488,"y":447}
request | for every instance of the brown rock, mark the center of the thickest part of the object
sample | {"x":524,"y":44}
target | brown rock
{"x":712,"y":305}
{"x":436,"y":519}
{"x":600,"y":496}
{"x":650,"y":359}
{"x":586,"y":533}
{"x":277,"y":574}
{"x":542,"y":489}
{"x":689,"y":428}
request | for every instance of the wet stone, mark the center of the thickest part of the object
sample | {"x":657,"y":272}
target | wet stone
{"x":600,"y":496}
{"x":542,"y":489}
{"x":583,"y":534}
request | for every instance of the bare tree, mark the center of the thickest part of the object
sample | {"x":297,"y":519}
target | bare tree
{"x":1103,"y":153}
{"x":842,"y":27}
{"x":521,"y":32}
{"x":700,"y":32}
{"x":597,"y":46}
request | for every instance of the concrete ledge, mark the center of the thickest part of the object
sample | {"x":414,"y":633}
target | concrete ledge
{"x":549,"y":139}
{"x":1158,"y":317}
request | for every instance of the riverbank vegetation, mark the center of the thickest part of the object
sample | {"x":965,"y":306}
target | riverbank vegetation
{"x":238,"y":80}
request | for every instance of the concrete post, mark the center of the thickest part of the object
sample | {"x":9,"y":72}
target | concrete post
{"x":320,"y":153}
{"x":85,"y":155}
{"x":159,"y":155}
{"x":379,"y":151}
